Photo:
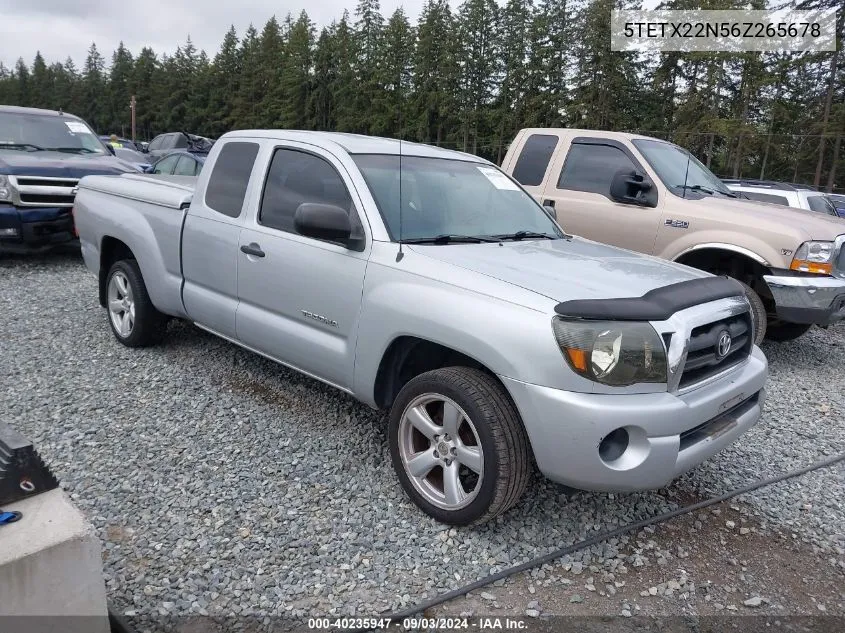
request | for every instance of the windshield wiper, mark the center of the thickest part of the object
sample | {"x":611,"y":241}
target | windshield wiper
{"x":448,"y":238}
{"x":521,"y":235}
{"x":35,"y":148}
{"x":696,"y":188}
{"x":72,"y":150}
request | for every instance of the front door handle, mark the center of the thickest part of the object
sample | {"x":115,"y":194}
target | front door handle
{"x":252,"y":249}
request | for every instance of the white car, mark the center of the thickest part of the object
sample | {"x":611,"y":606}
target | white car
{"x":784,"y":194}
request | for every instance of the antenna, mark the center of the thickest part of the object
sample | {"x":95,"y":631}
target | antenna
{"x":686,"y":175}
{"x":400,"y":254}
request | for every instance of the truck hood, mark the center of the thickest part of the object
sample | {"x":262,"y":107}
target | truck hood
{"x":563,"y":269}
{"x":59,"y":164}
{"x":817,"y":226}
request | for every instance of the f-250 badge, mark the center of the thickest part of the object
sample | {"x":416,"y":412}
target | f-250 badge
{"x":678,"y":224}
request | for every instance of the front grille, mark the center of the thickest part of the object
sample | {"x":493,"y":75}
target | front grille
{"x":35,"y":191}
{"x":703,"y":359}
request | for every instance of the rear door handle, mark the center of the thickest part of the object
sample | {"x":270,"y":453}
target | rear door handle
{"x":252,"y":249}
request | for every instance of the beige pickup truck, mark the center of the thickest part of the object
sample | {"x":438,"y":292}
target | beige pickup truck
{"x":653,"y":197}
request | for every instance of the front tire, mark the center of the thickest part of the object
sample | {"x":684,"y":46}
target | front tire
{"x":781,"y":331}
{"x":458,"y":445}
{"x":758,"y":312}
{"x":133,"y":318}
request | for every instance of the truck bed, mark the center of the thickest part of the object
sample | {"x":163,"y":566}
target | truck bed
{"x":144,"y":212}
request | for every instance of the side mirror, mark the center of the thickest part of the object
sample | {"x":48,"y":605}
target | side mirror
{"x":550,"y":211}
{"x":323,"y":222}
{"x":629,"y":187}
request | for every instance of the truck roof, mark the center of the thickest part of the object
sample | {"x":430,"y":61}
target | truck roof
{"x":619,"y":136}
{"x":358,"y":143}
{"x":42,"y":112}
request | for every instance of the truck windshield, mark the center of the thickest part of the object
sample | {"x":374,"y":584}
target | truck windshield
{"x":443,"y":199}
{"x":38,"y":132}
{"x":670,"y":163}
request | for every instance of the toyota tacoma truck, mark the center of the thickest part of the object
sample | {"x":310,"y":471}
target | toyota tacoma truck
{"x":428,"y":283}
{"x":43,"y":154}
{"x":653,"y":197}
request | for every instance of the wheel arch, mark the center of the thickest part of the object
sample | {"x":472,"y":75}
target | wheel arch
{"x":409,"y":356}
{"x":731,"y":260}
{"x":111,"y":250}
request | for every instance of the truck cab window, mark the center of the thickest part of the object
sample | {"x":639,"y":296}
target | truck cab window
{"x":229,"y":179}
{"x":590,"y":167}
{"x":534,"y":160}
{"x":294,"y":178}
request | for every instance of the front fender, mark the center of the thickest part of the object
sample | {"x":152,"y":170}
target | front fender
{"x":747,"y":245}
{"x":510,"y":340}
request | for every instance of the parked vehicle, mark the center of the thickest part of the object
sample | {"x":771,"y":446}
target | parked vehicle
{"x":140,"y":162}
{"x":434,"y":286}
{"x":163,"y":144}
{"x":43,"y":154}
{"x":784,"y":194}
{"x":180,"y":163}
{"x":653,"y":197}
{"x":121,"y":142}
{"x":838,"y":202}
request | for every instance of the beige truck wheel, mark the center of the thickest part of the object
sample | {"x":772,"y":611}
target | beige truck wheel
{"x":758,"y":313}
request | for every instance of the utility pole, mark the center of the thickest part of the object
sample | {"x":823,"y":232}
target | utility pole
{"x":132,"y":108}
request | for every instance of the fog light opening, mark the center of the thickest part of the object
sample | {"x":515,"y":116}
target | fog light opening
{"x":614,"y":445}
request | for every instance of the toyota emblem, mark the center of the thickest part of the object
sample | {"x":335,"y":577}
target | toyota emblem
{"x":723,"y":345}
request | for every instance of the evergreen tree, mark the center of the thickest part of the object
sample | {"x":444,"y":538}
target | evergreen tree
{"x":295,"y":95}
{"x":120,"y":76}
{"x":389,"y":114}
{"x":479,"y":62}
{"x":94,"y":90}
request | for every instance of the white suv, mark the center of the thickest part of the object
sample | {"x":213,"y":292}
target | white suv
{"x":783,"y":193}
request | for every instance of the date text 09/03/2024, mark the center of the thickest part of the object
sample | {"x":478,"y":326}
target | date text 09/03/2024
{"x":417,"y":624}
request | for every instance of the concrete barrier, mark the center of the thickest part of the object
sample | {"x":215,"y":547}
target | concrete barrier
{"x":51,"y":567}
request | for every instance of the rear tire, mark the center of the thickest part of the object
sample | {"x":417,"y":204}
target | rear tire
{"x":445,"y":426}
{"x":758,"y":312}
{"x":133,"y":318}
{"x":781,"y":331}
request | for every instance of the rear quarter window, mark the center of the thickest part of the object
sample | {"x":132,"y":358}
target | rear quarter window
{"x":230,"y":178}
{"x":534,"y":160}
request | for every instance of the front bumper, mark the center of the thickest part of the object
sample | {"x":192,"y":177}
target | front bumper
{"x":667,"y":433}
{"x":33,"y":229}
{"x":805,"y":299}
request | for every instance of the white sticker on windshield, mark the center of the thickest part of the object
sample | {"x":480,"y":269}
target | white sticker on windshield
{"x":499,"y":180}
{"x":76,"y":127}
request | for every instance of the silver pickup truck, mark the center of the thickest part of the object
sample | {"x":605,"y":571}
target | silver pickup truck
{"x":428,"y":283}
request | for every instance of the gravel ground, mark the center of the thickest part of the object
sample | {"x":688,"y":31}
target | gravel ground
{"x":222,"y":483}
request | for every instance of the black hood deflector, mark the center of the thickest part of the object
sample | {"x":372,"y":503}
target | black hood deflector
{"x":655,"y":305}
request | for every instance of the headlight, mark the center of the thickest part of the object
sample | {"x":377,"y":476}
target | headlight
{"x":814,"y":257}
{"x":5,"y":189}
{"x":614,"y":353}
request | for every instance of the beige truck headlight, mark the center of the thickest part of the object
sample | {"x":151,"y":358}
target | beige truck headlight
{"x":814,"y":257}
{"x":616,"y":353}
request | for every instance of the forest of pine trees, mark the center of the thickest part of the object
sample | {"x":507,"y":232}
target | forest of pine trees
{"x":469,"y":78}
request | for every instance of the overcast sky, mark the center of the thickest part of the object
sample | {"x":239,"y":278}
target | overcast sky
{"x":59,"y":28}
